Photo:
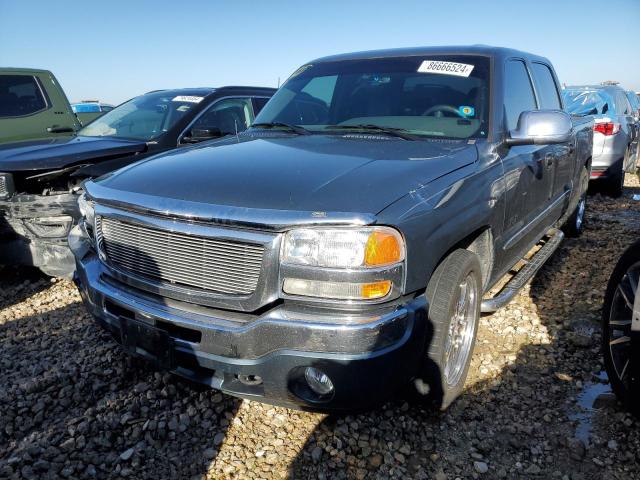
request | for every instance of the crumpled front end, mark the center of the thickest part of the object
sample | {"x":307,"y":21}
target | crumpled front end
{"x":34,"y":229}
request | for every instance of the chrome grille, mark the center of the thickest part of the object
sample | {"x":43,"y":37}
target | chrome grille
{"x":216,"y":265}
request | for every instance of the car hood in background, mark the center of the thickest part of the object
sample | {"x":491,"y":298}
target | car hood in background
{"x":314,"y":173}
{"x":62,"y":152}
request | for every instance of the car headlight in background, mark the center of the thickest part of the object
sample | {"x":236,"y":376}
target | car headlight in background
{"x":363,"y":263}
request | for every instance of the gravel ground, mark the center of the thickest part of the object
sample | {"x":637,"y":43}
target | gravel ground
{"x":72,"y":405}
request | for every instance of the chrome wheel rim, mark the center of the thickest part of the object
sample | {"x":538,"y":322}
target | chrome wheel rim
{"x":581,"y":209}
{"x":619,"y":325}
{"x":461,"y":331}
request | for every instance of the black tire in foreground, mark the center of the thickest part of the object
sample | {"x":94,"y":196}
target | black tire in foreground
{"x":454,"y":294}
{"x":614,"y":185}
{"x":620,"y":345}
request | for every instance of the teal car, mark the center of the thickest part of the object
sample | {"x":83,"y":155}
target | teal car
{"x":88,"y":110}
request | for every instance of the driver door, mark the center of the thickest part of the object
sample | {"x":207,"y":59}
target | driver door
{"x":528,"y":169}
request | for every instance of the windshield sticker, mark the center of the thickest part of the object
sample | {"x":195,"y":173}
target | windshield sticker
{"x":467,"y":111}
{"x":446,"y":68}
{"x":187,"y":98}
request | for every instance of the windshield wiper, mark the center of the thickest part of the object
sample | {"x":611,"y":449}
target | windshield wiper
{"x":282,"y":125}
{"x":394,"y":132}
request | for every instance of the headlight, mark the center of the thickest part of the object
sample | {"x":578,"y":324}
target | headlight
{"x":364,"y":263}
{"x":343,"y":248}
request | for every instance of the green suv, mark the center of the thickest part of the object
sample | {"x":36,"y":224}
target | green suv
{"x":33,"y":105}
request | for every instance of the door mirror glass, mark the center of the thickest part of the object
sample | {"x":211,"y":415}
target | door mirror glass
{"x":541,"y":127}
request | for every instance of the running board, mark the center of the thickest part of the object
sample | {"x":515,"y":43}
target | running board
{"x":525,"y":274}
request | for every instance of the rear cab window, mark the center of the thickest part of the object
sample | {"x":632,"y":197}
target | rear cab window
{"x":20,"y":95}
{"x":546,"y":87}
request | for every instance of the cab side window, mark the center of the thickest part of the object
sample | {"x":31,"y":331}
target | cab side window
{"x":225,"y":117}
{"x":20,"y":95}
{"x":546,"y":87}
{"x":518,"y":93}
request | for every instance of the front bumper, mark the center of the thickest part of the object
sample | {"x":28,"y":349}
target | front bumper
{"x":34,"y":230}
{"x":368,"y":356}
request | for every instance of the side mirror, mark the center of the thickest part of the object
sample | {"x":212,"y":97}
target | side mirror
{"x":541,"y":127}
{"x":202,"y":134}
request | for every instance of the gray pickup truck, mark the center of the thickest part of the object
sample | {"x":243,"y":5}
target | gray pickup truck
{"x":342,"y":248}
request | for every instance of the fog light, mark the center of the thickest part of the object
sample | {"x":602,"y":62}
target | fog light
{"x":318,"y":381}
{"x":337,"y":290}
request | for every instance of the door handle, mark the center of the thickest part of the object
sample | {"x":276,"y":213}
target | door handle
{"x":549,"y":158}
{"x":59,"y":129}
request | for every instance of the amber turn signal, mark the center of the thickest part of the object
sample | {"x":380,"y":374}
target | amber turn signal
{"x":383,"y":248}
{"x":376,"y":290}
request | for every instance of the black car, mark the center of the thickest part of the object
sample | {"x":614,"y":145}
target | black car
{"x":621,"y":329}
{"x":40,"y":180}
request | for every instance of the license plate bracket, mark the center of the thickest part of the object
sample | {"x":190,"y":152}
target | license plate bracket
{"x":146,"y":341}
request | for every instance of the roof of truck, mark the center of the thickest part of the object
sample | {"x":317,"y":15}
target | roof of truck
{"x":486,"y":50}
{"x":14,"y":70}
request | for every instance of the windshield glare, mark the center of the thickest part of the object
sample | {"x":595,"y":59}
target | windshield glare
{"x":419,"y":95}
{"x":145,"y":117}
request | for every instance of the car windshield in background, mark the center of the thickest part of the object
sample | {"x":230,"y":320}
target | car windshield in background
{"x":586,"y":102}
{"x":145,"y":117}
{"x":434,"y":96}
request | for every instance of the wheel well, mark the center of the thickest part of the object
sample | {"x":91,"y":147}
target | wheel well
{"x":479,"y":242}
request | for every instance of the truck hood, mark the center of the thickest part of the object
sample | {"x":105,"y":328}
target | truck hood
{"x":58,"y":153}
{"x":313,"y":173}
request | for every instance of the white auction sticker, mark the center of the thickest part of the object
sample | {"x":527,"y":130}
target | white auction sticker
{"x":187,"y":98}
{"x":446,"y":68}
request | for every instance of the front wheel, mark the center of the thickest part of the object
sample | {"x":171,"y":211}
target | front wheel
{"x":454,"y":294}
{"x":621,"y":361}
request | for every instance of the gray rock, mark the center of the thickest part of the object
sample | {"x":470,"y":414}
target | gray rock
{"x":480,"y":467}
{"x":218,"y":438}
{"x":127,"y":454}
{"x":316,"y":454}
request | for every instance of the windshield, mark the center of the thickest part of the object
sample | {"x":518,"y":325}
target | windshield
{"x":144,"y":117}
{"x":427,"y":96}
{"x":586,"y":102}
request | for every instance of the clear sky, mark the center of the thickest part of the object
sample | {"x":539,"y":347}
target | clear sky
{"x":113,"y":50}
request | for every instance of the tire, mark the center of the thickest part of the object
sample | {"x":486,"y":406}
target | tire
{"x":574,"y":226}
{"x":445,"y":366}
{"x":615,"y":183}
{"x":620,"y":346}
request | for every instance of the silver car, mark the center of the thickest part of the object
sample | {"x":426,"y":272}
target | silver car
{"x":615,"y":138}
